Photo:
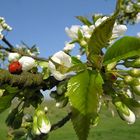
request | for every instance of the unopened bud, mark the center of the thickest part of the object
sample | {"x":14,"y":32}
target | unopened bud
{"x":43,"y":124}
{"x":35,"y":129}
{"x":134,"y":72}
{"x":136,"y":89}
{"x":62,"y":103}
{"x":128,"y":79}
{"x":129,"y":118}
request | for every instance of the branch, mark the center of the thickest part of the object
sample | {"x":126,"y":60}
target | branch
{"x":61,"y":122}
{"x":13,"y":49}
{"x":27,"y":79}
{"x":7,"y":43}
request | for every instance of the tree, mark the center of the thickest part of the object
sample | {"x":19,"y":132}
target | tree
{"x":109,"y":75}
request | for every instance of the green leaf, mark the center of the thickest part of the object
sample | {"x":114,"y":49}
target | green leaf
{"x":101,"y":35}
{"x":83,"y":92}
{"x":75,"y":60}
{"x":77,"y":68}
{"x":84,"y":20}
{"x":123,"y":48}
{"x":8,"y":95}
{"x":5,"y":102}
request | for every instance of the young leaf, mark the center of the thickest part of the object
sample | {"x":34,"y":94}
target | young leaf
{"x":123,"y":48}
{"x":83,"y":92}
{"x":84,"y":20}
{"x":101,"y":35}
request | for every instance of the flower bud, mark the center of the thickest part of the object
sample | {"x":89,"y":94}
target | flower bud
{"x":136,"y":89}
{"x":134,"y":72}
{"x":13,"y":56}
{"x":129,"y":118}
{"x":68,"y":46}
{"x":61,"y":88}
{"x":27,"y":63}
{"x":1,"y":92}
{"x":83,"y":43}
{"x":125,"y":113}
{"x":35,"y":129}
{"x":62,"y":103}
{"x":43,"y":124}
{"x":128,"y":79}
{"x":134,"y":64}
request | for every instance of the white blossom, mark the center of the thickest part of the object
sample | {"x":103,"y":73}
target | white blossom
{"x":100,"y":20}
{"x":13,"y":56}
{"x":129,"y":8}
{"x":27,"y":63}
{"x":44,"y":124}
{"x":87,"y":30}
{"x":62,"y":59}
{"x":68,"y":46}
{"x":3,"y":26}
{"x":73,"y":31}
{"x":118,"y":30}
{"x":138,"y":18}
{"x":129,"y":118}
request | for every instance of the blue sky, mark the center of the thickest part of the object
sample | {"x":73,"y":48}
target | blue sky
{"x":42,"y":22}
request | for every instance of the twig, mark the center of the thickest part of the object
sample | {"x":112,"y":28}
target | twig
{"x":8,"y":43}
{"x":12,"y":49}
{"x":61,"y":122}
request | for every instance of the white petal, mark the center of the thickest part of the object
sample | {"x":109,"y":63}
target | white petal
{"x":118,"y":30}
{"x":45,"y":127}
{"x":62,"y":58}
{"x":130,"y":118}
{"x":100,"y":20}
{"x":13,"y":56}
{"x":1,"y":29}
{"x":51,"y":66}
{"x":68,"y":46}
{"x":73,"y":31}
{"x":129,"y":93}
{"x":27,"y":63}
{"x":58,"y":76}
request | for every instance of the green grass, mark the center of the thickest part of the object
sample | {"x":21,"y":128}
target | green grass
{"x":109,"y":128}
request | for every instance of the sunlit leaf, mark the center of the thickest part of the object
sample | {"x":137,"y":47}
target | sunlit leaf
{"x":83,"y":92}
{"x":84,"y":20}
{"x":123,"y":48}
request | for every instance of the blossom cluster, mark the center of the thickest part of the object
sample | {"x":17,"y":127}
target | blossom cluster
{"x":3,"y":26}
{"x":87,"y":31}
{"x":61,"y":61}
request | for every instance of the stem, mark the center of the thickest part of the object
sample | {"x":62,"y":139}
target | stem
{"x":61,"y":122}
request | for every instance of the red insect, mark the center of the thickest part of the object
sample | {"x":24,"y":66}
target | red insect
{"x":15,"y":67}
